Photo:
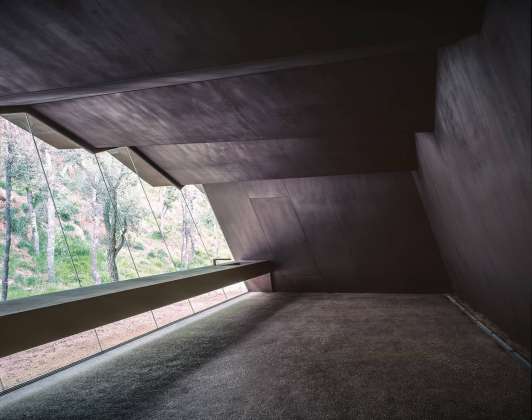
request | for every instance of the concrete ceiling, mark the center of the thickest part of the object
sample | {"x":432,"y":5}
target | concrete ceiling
{"x":234,"y":93}
{"x":78,"y":42}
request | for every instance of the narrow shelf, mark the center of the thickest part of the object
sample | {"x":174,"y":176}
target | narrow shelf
{"x":36,"y":320}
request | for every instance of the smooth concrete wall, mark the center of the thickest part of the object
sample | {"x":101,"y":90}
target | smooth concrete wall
{"x":353,"y":233}
{"x":475,"y":171}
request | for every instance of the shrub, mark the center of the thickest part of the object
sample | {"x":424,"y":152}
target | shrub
{"x":19,"y":225}
{"x":159,"y":254}
{"x":24,"y":244}
{"x":156,"y":235}
{"x":78,"y":247}
{"x":68,"y":227}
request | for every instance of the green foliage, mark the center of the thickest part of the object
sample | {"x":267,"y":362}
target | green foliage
{"x":65,"y":273}
{"x":201,"y":259}
{"x":156,"y":235}
{"x":83,"y":269}
{"x":78,"y":247}
{"x":102,"y":267}
{"x":157,"y":254}
{"x":19,"y":225}
{"x":16,"y":291}
{"x":39,"y":196}
{"x":88,"y":210}
{"x":67,"y":211}
{"x":68,"y":227}
{"x":137,"y":246}
{"x":28,"y":281}
{"x":40,"y":262}
{"x":24,"y":244}
{"x":23,"y":264}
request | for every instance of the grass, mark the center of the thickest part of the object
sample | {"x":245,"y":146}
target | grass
{"x":28,"y":272}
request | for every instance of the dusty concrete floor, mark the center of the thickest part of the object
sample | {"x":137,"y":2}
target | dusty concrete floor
{"x":296,"y":356}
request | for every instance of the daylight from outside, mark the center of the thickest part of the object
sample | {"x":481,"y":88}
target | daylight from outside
{"x":70,"y":219}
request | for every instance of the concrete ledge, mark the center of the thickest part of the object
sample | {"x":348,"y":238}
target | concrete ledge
{"x":36,"y":320}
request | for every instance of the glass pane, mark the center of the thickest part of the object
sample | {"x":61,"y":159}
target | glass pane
{"x":206,"y":300}
{"x":38,"y":258}
{"x":117,"y":332}
{"x":236,"y":289}
{"x":166,"y":205}
{"x":200,"y":245}
{"x":173,"y":312}
{"x":116,"y":227}
{"x":193,"y":237}
{"x":135,"y":223}
{"x":32,"y":363}
{"x":79,"y":194}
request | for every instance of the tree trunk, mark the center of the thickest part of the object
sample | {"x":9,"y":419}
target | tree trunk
{"x":110,"y":227}
{"x":33,"y":221}
{"x":217,"y":248}
{"x":113,"y":249}
{"x":8,"y":221}
{"x":50,"y":210}
{"x":111,"y":222}
{"x":191,"y":248}
{"x":183,"y":235}
{"x":93,"y":240}
{"x":111,"y":264}
{"x":162,"y":218}
{"x":187,"y":238}
{"x":50,"y":244}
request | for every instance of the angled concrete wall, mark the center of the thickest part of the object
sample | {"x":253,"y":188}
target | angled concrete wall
{"x":475,"y":171}
{"x":353,"y":233}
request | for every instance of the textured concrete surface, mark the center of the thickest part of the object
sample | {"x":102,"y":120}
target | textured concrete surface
{"x":353,"y":233}
{"x":306,"y":356}
{"x":355,"y":113}
{"x":475,"y":171}
{"x":53,"y":44}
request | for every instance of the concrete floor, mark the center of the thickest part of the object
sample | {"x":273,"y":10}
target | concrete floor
{"x":307,"y":356}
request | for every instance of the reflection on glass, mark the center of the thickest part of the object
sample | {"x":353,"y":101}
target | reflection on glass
{"x":32,"y":363}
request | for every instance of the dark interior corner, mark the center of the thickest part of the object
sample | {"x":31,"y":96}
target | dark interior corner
{"x":379,"y":157}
